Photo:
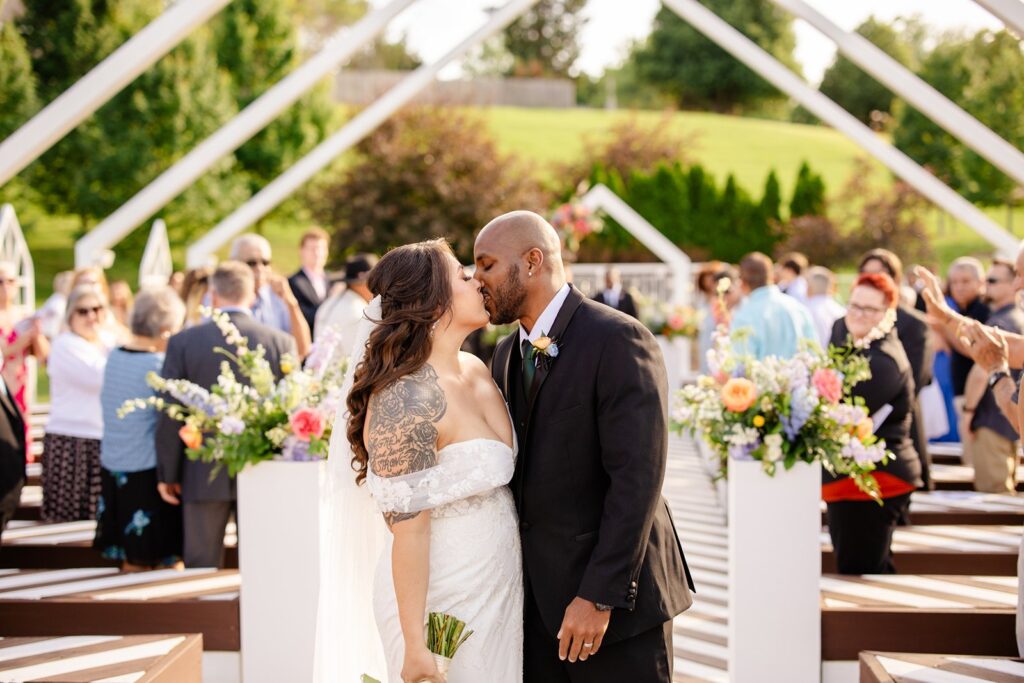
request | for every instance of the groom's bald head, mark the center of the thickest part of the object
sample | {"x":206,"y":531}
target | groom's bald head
{"x":519,"y":232}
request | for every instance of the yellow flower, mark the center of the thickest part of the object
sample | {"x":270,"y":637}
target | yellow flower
{"x":542,"y":344}
{"x":286,"y":367}
{"x":759,"y":421}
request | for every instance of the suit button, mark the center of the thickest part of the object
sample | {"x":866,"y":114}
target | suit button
{"x":522,"y":424}
{"x":633,"y":584}
{"x":524,"y":526}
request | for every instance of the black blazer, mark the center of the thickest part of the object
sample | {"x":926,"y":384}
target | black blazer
{"x":892,"y":383}
{"x":306,"y":295}
{"x":12,"y":444}
{"x":626,"y":303}
{"x":190,"y":355}
{"x":593,"y":445}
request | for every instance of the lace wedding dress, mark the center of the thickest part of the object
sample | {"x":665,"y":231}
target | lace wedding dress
{"x":475,"y":558}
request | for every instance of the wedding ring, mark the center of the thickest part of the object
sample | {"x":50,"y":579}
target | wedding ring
{"x":588,"y":645}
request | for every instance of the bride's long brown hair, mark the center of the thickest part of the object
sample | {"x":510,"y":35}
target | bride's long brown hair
{"x":414,"y":285}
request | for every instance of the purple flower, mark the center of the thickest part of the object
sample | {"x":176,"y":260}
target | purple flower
{"x":742,"y":452}
{"x":296,"y":450}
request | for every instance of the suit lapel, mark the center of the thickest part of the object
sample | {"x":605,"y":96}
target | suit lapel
{"x":306,"y":284}
{"x":572,"y":302}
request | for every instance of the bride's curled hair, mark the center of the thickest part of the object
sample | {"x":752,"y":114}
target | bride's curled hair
{"x":414,"y":285}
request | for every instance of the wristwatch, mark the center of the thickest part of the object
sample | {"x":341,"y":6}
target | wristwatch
{"x":602,"y":608}
{"x":994,"y":378}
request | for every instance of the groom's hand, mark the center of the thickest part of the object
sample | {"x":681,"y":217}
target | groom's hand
{"x":582,"y":631}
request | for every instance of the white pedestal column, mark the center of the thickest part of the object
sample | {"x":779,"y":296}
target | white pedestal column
{"x":774,"y":573}
{"x":676,"y":352}
{"x":278,"y":556}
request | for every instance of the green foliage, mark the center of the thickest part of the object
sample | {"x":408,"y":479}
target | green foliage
{"x":381,"y":54}
{"x":320,"y":19}
{"x":544,"y":40}
{"x":856,"y":91}
{"x":684,"y":64}
{"x":809,"y":193}
{"x":771,"y":201}
{"x":18,"y":100}
{"x":426,"y":172}
{"x":985,"y":75}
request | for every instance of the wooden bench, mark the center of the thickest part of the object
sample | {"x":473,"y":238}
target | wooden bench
{"x":893,"y":667}
{"x":66,"y":545}
{"x":74,"y":659}
{"x":961,"y":507}
{"x":103,"y":601}
{"x":970,"y":615}
{"x":958,"y":477}
{"x":985,"y":550}
{"x":30,"y":507}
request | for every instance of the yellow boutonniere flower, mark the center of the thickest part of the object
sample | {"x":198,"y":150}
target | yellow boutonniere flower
{"x":542,"y":344}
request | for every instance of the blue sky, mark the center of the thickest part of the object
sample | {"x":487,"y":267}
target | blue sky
{"x":432,"y":26}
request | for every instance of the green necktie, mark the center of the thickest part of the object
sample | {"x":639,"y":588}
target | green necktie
{"x":529,"y":365}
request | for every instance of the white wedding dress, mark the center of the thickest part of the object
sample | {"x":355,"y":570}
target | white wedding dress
{"x":475,"y":559}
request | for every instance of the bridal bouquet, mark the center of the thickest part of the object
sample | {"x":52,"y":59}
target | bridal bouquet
{"x":236,"y":423}
{"x":445,"y":635}
{"x":783,"y":411}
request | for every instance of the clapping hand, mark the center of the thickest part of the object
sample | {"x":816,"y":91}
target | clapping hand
{"x":934,"y":299}
{"x":988,"y":347}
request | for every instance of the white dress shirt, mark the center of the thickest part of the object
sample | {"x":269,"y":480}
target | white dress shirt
{"x":612,"y":296}
{"x":319,"y":282}
{"x":546,"y":320}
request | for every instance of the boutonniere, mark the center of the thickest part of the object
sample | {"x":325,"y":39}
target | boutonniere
{"x":547,"y":349}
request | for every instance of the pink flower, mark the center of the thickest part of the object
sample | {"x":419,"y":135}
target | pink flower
{"x":828,"y":384}
{"x":307,"y":423}
{"x":676,"y":321}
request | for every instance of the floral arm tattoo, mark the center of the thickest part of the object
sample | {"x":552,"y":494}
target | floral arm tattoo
{"x":402,"y":430}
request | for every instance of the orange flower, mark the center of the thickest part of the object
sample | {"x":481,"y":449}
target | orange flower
{"x":738,"y":394}
{"x":865,"y":428}
{"x":190,"y":436}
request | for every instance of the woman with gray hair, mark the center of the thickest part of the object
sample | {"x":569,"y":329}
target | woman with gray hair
{"x":71,"y":447}
{"x":135,"y":525}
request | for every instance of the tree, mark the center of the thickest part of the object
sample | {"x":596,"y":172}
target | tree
{"x":545,"y":40}
{"x":857,"y":92}
{"x":18,"y":100}
{"x":808,"y":194}
{"x":321,"y":19}
{"x":257,"y":45}
{"x":681,"y":62}
{"x":426,"y":172}
{"x":983,"y":74}
{"x":771,"y":201}
{"x":381,"y":54}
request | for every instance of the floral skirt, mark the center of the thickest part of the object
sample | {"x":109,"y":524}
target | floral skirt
{"x":134,"y":524}
{"x":71,"y":478}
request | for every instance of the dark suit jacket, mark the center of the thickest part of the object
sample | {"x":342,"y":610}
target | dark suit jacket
{"x":626,"y":303}
{"x":12,"y":444}
{"x":306,"y":295}
{"x":592,"y":452}
{"x":190,"y":355}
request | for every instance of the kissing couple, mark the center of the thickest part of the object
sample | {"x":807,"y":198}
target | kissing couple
{"x":524,"y":500}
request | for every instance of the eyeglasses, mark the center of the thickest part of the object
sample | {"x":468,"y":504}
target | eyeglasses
{"x":996,"y":281}
{"x":84,"y":311}
{"x":252,"y":263}
{"x":865,"y":310}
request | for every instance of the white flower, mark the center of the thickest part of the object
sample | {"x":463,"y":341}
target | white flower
{"x":553,"y":350}
{"x":773,"y":447}
{"x":723,"y":285}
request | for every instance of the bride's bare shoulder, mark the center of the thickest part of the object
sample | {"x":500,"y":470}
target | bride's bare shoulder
{"x":401,"y":427}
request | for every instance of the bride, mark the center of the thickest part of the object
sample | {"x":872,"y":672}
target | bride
{"x":430,"y":439}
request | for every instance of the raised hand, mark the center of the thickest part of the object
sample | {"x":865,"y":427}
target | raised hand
{"x":583,"y":628}
{"x":934,"y":300}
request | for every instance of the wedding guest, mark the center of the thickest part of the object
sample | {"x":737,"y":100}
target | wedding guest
{"x":707,"y":283}
{"x":112,"y":331}
{"x":274,"y":304}
{"x":135,"y":525}
{"x":21,"y":336}
{"x":791,"y":275}
{"x":860,"y":528}
{"x":773,"y":323}
{"x":208,"y":501}
{"x":195,"y":292}
{"x":966,"y":278}
{"x":912,"y":331}
{"x":71,"y":477}
{"x":309,"y":283}
{"x":343,"y":310}
{"x":121,"y":301}
{"x":614,"y":295}
{"x":990,"y":441}
{"x":51,"y":313}
{"x":821,"y":302}
{"x":13,"y":448}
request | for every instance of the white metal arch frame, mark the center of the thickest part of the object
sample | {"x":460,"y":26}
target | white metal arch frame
{"x":14,"y":249}
{"x":156,"y":265}
{"x":1010,"y":12}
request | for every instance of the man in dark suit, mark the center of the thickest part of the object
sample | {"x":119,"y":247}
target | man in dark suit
{"x":614,"y":295}
{"x":604,"y":571}
{"x":208,"y":503}
{"x":12,"y":455}
{"x":912,"y":329}
{"x":309,"y":283}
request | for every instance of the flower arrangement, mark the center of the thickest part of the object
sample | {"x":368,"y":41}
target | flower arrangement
{"x":240,"y":422}
{"x":673,"y":321}
{"x":574,"y":222}
{"x":782,"y":411}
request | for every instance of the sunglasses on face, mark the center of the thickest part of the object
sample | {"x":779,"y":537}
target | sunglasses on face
{"x":252,"y":263}
{"x":86,"y":310}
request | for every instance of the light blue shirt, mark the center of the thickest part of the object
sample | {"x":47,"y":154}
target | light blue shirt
{"x":271,"y":310}
{"x":129,"y":443}
{"x":775,"y":323}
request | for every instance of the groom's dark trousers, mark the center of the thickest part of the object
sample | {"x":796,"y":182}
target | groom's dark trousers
{"x":592,"y":431}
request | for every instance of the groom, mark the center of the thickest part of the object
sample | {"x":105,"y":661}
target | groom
{"x":603,"y":567}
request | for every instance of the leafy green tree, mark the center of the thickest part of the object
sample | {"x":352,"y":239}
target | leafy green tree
{"x":382,"y":54}
{"x":808,"y":193}
{"x":682,"y":63}
{"x":857,"y":92}
{"x":545,"y":40}
{"x":321,"y":19}
{"x":18,"y":100}
{"x":771,"y":201}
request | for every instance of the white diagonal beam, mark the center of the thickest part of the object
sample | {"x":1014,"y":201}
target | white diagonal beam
{"x":776,"y":73}
{"x":355,"y":130}
{"x":1010,"y":12}
{"x":926,"y":99}
{"x":104,"y":81}
{"x":234,"y":134}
